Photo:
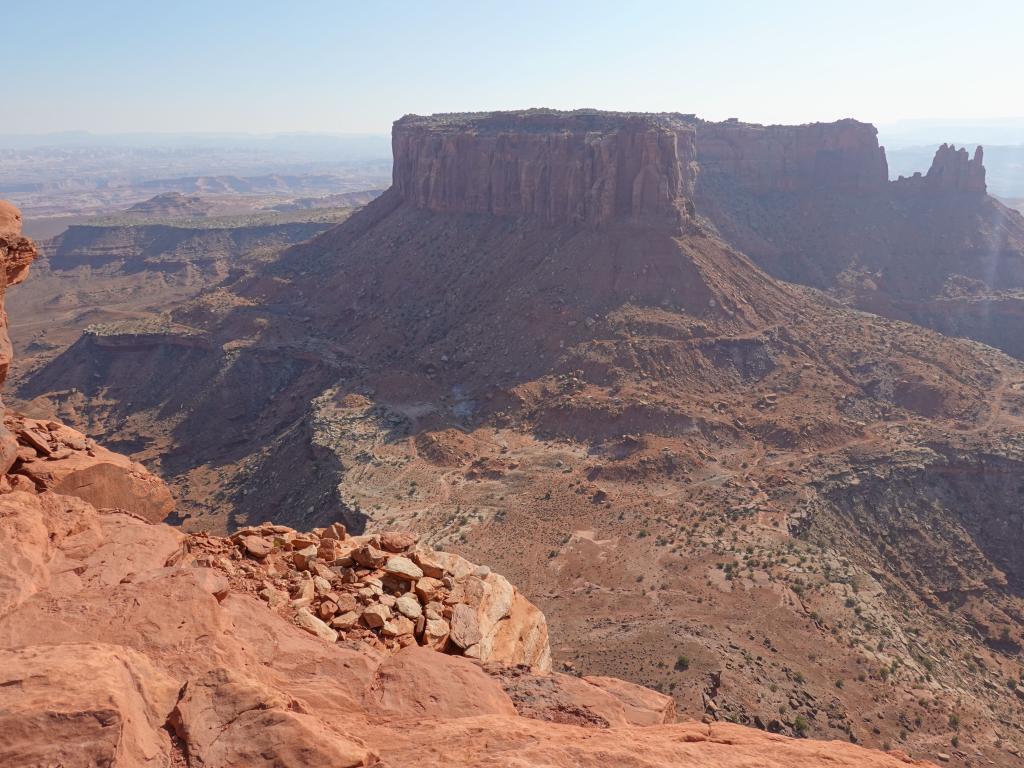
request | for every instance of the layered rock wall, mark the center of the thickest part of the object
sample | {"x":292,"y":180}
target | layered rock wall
{"x":564,"y":167}
{"x":844,"y":155}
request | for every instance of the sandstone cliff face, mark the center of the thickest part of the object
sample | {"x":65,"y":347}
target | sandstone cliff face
{"x":792,"y":158}
{"x":563,"y":167}
{"x":812,"y":205}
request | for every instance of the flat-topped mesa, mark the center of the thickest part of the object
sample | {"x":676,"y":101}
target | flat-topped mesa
{"x":565,"y":167}
{"x":839,"y":156}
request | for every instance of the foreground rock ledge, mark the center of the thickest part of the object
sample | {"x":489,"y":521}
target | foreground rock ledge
{"x":126,"y":643}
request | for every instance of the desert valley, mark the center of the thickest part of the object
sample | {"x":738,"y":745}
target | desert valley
{"x":738,"y":416}
{"x":512,"y":385}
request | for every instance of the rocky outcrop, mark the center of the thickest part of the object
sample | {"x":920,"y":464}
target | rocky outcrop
{"x":128,"y":644}
{"x":386,"y":591}
{"x":53,"y":457}
{"x":46,"y":455}
{"x":16,"y":256}
{"x":954,"y":170}
{"x":843,"y":155}
{"x":565,"y":167}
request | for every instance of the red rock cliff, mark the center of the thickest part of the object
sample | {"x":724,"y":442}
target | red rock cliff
{"x":48,"y":456}
{"x":17,"y":254}
{"x":567,"y":167}
{"x":953,"y":170}
{"x":836,"y":156}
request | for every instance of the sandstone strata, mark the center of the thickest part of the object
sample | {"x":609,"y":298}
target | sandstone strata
{"x":563,"y":167}
{"x":793,"y":158}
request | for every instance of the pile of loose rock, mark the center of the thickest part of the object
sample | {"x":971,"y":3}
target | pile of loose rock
{"x":384,"y":590}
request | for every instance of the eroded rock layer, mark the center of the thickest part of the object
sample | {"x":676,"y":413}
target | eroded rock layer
{"x":566,"y":168}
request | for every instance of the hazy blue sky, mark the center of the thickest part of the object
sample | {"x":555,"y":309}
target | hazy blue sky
{"x":301,"y":65}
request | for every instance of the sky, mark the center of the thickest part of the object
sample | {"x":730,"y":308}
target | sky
{"x":341,"y":67}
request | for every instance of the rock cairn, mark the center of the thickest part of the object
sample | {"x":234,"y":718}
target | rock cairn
{"x":383,"y":590}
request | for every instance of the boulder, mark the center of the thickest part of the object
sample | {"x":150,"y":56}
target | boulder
{"x":403,"y":568}
{"x":315,"y":626}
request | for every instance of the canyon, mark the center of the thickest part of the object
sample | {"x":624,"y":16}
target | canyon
{"x":697,"y":389}
{"x":127,"y":642}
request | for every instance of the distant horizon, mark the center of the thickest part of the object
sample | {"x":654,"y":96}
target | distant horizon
{"x":259,"y":67}
{"x":386,"y":131}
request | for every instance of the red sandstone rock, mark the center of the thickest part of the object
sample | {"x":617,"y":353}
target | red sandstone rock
{"x":835,"y":156}
{"x":83,"y":705}
{"x":641,"y":706}
{"x":564,"y":167}
{"x":230,"y":721}
{"x":16,"y":255}
{"x":10,"y":220}
{"x":418,"y":682}
{"x":67,"y":463}
{"x":111,"y":631}
{"x":953,"y":170}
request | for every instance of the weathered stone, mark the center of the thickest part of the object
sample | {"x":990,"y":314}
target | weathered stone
{"x":429,"y":589}
{"x":345,"y":621}
{"x":398,"y":625}
{"x":273,"y":597}
{"x":301,"y":558}
{"x":409,"y":606}
{"x":396,"y":541}
{"x":369,"y":556}
{"x":314,"y":626}
{"x":335,"y":531}
{"x":257,"y":546}
{"x":327,"y":609}
{"x":429,"y":563}
{"x":403,"y":567}
{"x":465,"y":629}
{"x":435,"y":633}
{"x":346,"y":601}
{"x":375,"y":615}
{"x":304,"y":593}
